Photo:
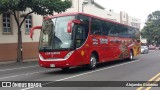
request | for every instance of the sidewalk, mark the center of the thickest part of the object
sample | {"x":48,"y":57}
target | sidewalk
{"x":24,"y":61}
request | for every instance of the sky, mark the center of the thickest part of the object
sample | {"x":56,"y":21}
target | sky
{"x":135,"y":8}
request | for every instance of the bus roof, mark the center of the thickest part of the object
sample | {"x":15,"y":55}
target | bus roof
{"x":90,"y":15}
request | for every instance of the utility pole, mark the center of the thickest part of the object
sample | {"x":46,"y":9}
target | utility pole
{"x":83,"y":4}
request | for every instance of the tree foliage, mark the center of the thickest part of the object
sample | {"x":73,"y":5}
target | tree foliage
{"x":151,"y":30}
{"x":39,"y":7}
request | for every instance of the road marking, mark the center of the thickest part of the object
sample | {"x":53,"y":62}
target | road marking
{"x":18,"y":68}
{"x":86,"y":73}
{"x":153,"y":78}
{"x":148,"y":88}
{"x":25,"y":74}
{"x":97,"y":70}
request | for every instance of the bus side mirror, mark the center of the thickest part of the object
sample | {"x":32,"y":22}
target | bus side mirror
{"x":32,"y":29}
{"x":69,"y":27}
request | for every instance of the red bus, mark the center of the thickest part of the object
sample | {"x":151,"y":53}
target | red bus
{"x":75,"y":39}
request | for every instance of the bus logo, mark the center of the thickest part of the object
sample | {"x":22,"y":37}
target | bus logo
{"x":52,"y":53}
{"x":6,"y":84}
{"x":103,"y":41}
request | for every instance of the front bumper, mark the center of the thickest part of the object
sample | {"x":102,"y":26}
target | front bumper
{"x":68,"y":61}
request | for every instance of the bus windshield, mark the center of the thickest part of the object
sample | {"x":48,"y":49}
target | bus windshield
{"x":54,"y":35}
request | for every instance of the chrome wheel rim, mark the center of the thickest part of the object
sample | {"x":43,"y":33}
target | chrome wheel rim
{"x":93,"y":62}
{"x":131,"y":55}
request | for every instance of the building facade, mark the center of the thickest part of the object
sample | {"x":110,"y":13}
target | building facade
{"x":9,"y":30}
{"x":9,"y":37}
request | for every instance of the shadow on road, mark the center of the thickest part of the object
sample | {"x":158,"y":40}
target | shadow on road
{"x":81,"y":69}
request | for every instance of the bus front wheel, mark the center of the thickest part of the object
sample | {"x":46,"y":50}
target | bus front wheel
{"x":93,"y":62}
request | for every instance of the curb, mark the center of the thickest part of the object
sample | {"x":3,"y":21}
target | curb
{"x":24,"y":61}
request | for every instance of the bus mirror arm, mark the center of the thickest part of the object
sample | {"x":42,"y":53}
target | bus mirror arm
{"x":32,"y":30}
{"x":69,"y":27}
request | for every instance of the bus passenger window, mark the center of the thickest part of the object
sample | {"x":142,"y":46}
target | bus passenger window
{"x":106,"y":28}
{"x":96,"y":26}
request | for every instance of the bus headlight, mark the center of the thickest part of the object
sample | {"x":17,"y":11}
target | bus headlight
{"x":68,"y":55}
{"x":40,"y":57}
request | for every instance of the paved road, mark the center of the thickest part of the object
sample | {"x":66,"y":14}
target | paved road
{"x":145,"y":67}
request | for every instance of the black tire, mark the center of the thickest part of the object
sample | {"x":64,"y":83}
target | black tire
{"x":93,"y":62}
{"x":131,"y":56}
{"x":65,"y":69}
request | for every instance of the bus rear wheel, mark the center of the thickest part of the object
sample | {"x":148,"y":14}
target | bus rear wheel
{"x":131,"y":55}
{"x":93,"y":62}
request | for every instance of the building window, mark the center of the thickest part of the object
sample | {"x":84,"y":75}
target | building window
{"x":6,"y":23}
{"x":28,"y":24}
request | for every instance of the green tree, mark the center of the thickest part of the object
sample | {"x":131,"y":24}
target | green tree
{"x":39,"y":7}
{"x":151,"y":30}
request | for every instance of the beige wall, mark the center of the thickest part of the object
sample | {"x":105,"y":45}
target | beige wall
{"x":8,"y":43}
{"x":37,"y":21}
{"x":113,"y":16}
{"x":124,"y":18}
{"x":90,"y":9}
{"x":135,"y":22}
{"x":12,"y":38}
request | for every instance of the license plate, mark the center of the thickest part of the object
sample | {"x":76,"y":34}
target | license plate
{"x":52,"y":65}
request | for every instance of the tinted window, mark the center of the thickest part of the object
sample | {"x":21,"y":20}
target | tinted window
{"x":96,"y":26}
{"x":123,"y":31}
{"x":113,"y":31}
{"x":106,"y":28}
